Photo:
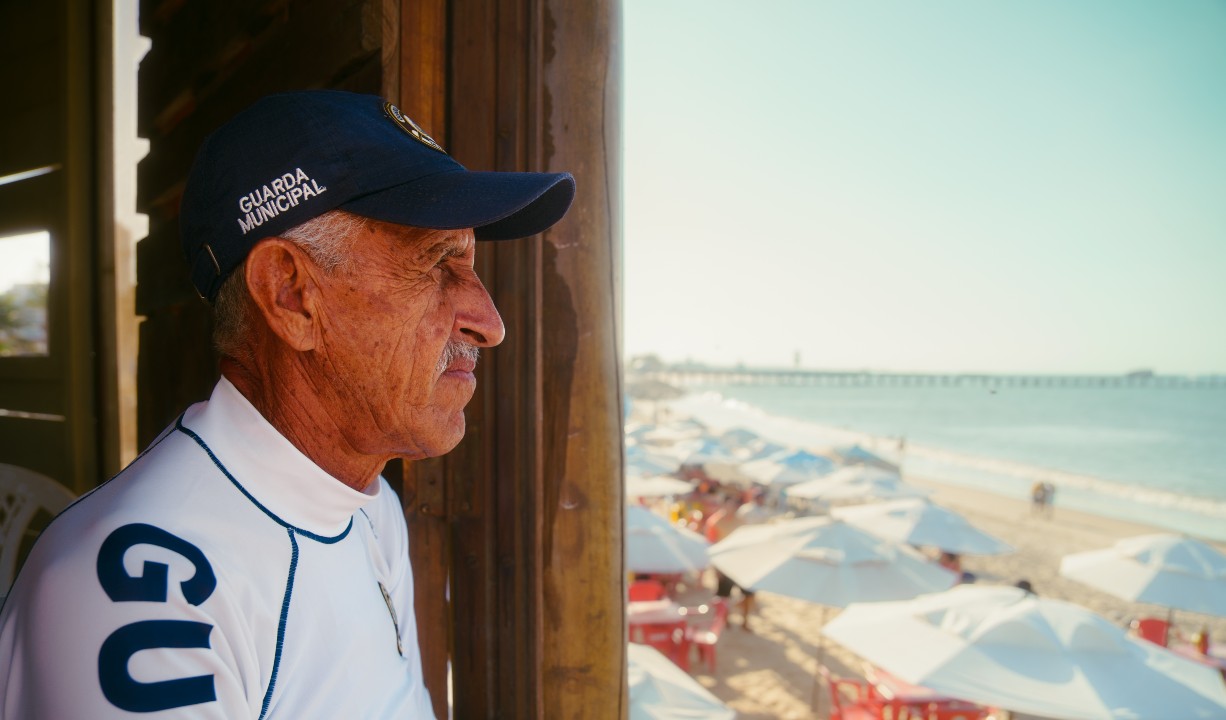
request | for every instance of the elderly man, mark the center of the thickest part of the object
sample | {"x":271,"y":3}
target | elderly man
{"x":251,"y":562}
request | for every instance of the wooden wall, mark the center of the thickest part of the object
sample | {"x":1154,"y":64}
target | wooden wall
{"x":516,"y":534}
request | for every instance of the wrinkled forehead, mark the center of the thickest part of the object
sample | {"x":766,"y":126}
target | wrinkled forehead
{"x":414,"y":244}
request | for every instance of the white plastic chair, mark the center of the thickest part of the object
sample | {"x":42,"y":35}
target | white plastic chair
{"x":28,"y":500}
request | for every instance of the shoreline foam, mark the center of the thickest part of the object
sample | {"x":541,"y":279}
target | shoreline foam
{"x":1165,"y":510}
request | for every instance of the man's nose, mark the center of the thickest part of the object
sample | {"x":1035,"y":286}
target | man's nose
{"x":476,"y":317}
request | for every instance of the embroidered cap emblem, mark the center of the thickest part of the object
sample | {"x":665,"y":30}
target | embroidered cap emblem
{"x":405,"y":123}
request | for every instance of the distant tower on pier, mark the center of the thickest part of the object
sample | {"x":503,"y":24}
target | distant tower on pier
{"x":796,"y":360}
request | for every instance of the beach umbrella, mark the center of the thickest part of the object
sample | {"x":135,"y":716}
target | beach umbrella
{"x":1170,"y":570}
{"x":788,"y":468}
{"x":738,"y":437}
{"x":645,"y":462}
{"x":857,"y":455}
{"x":760,"y":449}
{"x":705,"y":450}
{"x":1004,"y":647}
{"x":916,"y":521}
{"x":657,"y":486}
{"x":654,"y":545}
{"x":856,"y":482}
{"x":659,"y":690}
{"x":825,"y":561}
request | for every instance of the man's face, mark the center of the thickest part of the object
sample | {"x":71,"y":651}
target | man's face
{"x":400,"y":329}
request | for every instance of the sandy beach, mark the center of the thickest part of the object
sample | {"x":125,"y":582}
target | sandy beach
{"x":769,"y":672}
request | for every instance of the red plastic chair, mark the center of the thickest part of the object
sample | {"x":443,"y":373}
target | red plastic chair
{"x":956,"y":710}
{"x":852,"y":699}
{"x":646,"y":590}
{"x":1155,"y":630}
{"x":669,"y":638}
{"x":705,"y":624}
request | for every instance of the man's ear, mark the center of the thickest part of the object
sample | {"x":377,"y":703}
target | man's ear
{"x":283,"y":288}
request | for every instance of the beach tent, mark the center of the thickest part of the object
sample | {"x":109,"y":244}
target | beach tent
{"x":825,"y":561}
{"x":1004,"y":647}
{"x":856,"y":482}
{"x":657,"y":486}
{"x":659,"y":690}
{"x":654,"y":545}
{"x":788,"y":468}
{"x":1164,"y":569}
{"x":916,"y":521}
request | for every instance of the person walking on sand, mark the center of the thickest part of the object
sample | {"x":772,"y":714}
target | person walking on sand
{"x":718,"y":526}
{"x":1038,"y":498}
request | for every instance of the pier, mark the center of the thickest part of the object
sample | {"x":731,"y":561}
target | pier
{"x":692,"y":376}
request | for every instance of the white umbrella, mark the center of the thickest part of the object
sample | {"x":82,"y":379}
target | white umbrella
{"x":915,"y":521}
{"x":760,"y":449}
{"x":856,"y":455}
{"x":738,"y":437}
{"x":657,"y":486}
{"x":654,"y":545}
{"x":825,"y":561}
{"x":856,"y":482}
{"x":1004,"y":647}
{"x":641,"y":461}
{"x":1164,"y":569}
{"x":659,"y":690}
{"x":703,"y":451}
{"x":788,"y":468}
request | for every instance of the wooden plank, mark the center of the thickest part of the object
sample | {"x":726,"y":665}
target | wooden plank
{"x":423,"y":65}
{"x":199,"y":40}
{"x":175,"y":367}
{"x":31,"y":26}
{"x":579,"y":114}
{"x":295,"y":55}
{"x":30,"y":205}
{"x":38,"y":445}
{"x":477,"y":662}
{"x":163,"y":273}
{"x":32,"y":73}
{"x":430,"y":552}
{"x":31,"y":139}
{"x":30,"y":394}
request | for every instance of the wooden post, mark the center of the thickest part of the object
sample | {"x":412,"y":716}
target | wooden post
{"x":516,"y":534}
{"x":584,"y":631}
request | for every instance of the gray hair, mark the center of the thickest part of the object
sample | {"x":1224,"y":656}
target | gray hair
{"x":325,"y":239}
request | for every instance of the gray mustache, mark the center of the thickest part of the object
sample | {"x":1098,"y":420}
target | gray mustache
{"x":453,"y":350}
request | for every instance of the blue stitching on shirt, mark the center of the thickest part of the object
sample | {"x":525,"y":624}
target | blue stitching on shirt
{"x":371,"y":523}
{"x":305,"y":533}
{"x":289,"y":591}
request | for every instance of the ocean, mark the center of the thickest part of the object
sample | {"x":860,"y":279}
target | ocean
{"x":1150,"y":454}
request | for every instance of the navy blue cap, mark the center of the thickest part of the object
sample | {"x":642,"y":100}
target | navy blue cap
{"x":294,"y":156}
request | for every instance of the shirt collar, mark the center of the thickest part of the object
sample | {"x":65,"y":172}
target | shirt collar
{"x":270,"y":468}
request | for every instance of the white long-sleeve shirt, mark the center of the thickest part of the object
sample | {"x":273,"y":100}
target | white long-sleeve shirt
{"x":221,"y":575}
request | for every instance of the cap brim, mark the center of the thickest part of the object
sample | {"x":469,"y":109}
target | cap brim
{"x":498,"y":205}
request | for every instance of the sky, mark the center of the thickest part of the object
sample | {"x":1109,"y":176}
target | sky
{"x":24,"y":259}
{"x":946,"y":186}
